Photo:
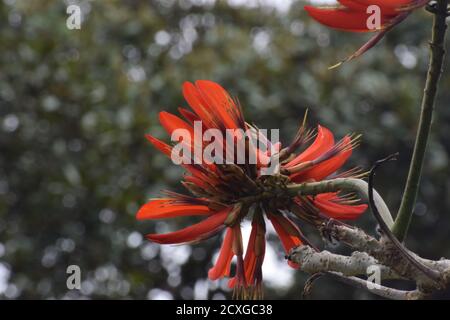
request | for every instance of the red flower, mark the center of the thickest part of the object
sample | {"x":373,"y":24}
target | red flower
{"x":225,"y":194}
{"x":354,"y":15}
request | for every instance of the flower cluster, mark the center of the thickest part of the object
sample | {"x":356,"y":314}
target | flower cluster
{"x":226,"y":194}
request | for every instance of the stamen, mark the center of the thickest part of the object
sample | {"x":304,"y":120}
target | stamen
{"x":194,"y":189}
{"x":342,"y":145}
{"x":179,"y":198}
{"x":306,"y":211}
{"x":302,"y":136}
{"x":298,"y":168}
{"x":238,"y":113}
{"x":356,"y":173}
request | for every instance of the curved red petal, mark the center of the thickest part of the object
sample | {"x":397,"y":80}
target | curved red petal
{"x":324,"y":169}
{"x":196,"y":102}
{"x":323,"y":142}
{"x":219,"y":102}
{"x":188,"y":115}
{"x":169,"y":208}
{"x":254,"y":256}
{"x":250,"y":256}
{"x":287,"y":232}
{"x":171,"y":122}
{"x":222,"y":266}
{"x":195,"y":232}
{"x":161,"y":146}
{"x":342,"y":18}
{"x":337,"y":210}
{"x":249,"y":260}
{"x":194,"y":170}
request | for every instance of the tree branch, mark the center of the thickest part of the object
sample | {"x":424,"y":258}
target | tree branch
{"x":386,"y":253}
{"x":388,"y":233}
{"x":369,"y":252}
{"x":346,"y":269}
{"x":311,"y":261}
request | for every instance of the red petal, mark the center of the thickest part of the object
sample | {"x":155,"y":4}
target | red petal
{"x":337,"y":210}
{"x":196,"y":102}
{"x":323,"y":142}
{"x":223,"y":263}
{"x":195,"y":232}
{"x":250,"y":256}
{"x":167,"y":150}
{"x":168,"y":208}
{"x":254,"y":256}
{"x":249,"y":267}
{"x":188,"y":115}
{"x":161,"y":146}
{"x":287,"y":232}
{"x":324,"y":169}
{"x":343,"y":19}
{"x":171,"y":122}
{"x":388,"y":7}
{"x":219,"y":101}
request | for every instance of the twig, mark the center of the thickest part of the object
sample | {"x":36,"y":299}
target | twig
{"x":387,"y":255}
{"x":382,"y":291}
{"x":388,"y":233}
{"x":309,"y":284}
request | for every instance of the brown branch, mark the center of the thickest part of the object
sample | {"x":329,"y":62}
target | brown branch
{"x":387,"y":232}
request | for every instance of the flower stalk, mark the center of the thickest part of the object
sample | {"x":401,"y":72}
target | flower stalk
{"x":343,"y":184}
{"x":403,"y":219}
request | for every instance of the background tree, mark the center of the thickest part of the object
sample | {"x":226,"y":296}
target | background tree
{"x":75,"y":104}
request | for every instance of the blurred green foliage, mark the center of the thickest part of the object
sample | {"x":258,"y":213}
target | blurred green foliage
{"x":75,"y":105}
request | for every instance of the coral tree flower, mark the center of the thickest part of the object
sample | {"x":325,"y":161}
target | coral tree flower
{"x":223,"y":195}
{"x":354,"y":15}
